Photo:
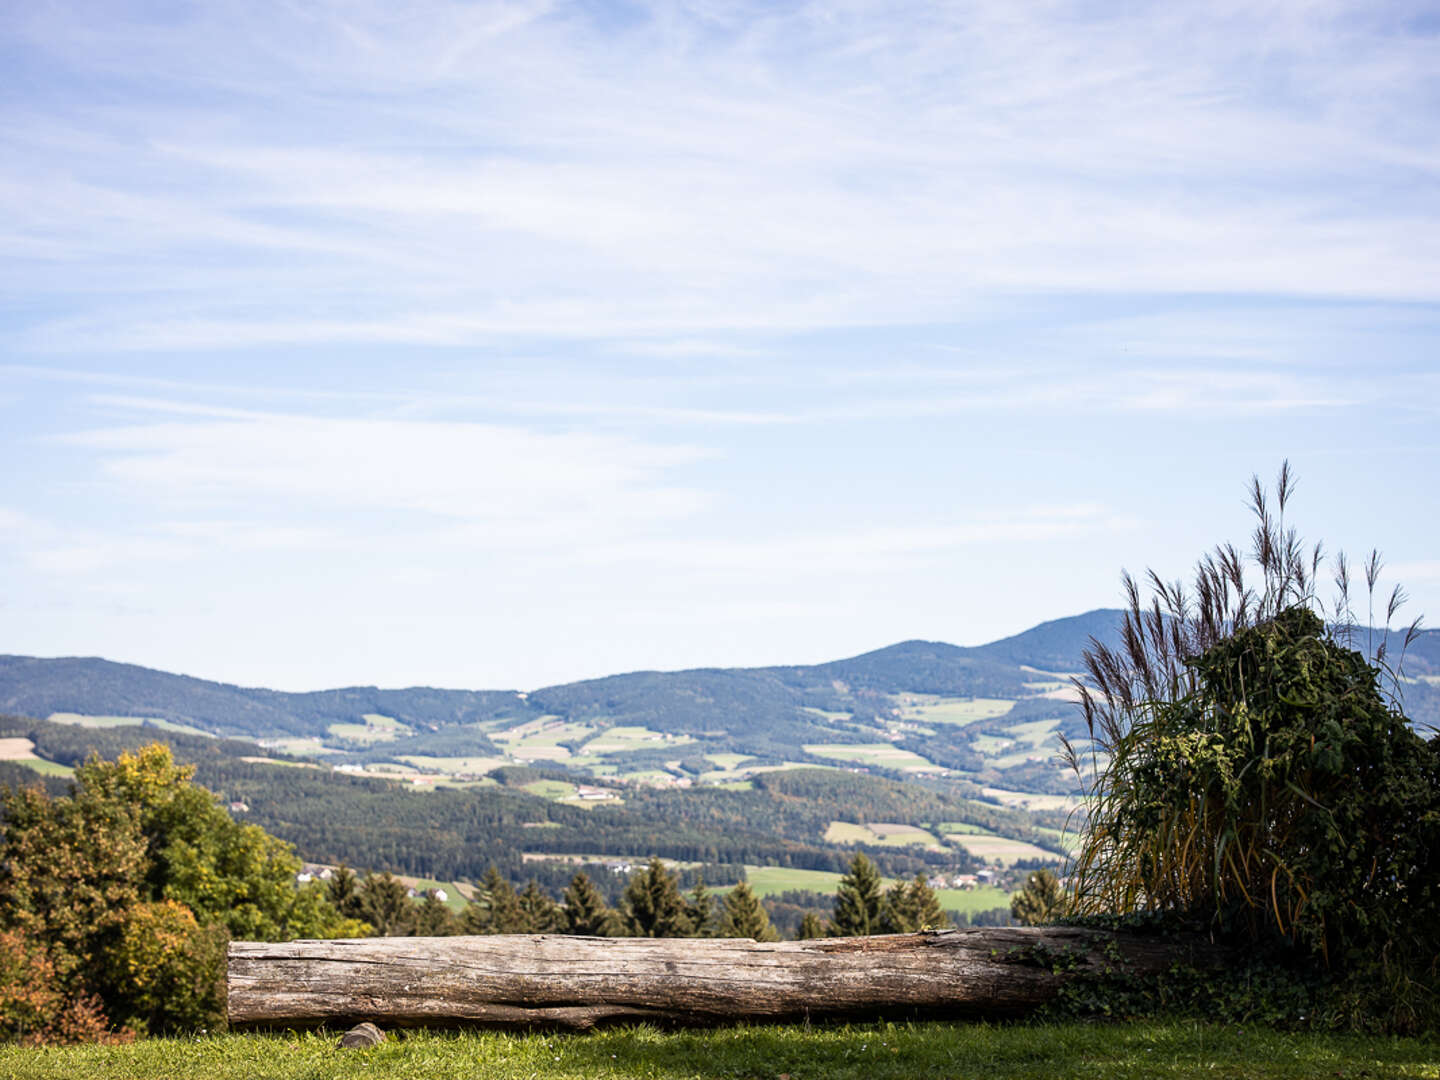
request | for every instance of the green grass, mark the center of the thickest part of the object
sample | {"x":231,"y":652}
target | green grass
{"x":962,"y":828}
{"x":1176,"y":1051}
{"x":79,"y":720}
{"x":986,"y":898}
{"x":549,"y":789}
{"x":768,"y":880}
{"x":46,"y":768}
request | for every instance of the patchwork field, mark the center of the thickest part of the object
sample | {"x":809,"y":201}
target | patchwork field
{"x":78,"y":720}
{"x":882,"y":834}
{"x":539,"y":740}
{"x":878,"y":755}
{"x":298,"y":746}
{"x":455,"y":766}
{"x":932,"y":709}
{"x":22,"y":751}
{"x":999,"y":849}
{"x":375,"y":729}
{"x":1032,"y":801}
{"x":625,"y":740}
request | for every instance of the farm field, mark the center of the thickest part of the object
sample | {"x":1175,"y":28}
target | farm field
{"x":540,"y":739}
{"x":22,"y":751}
{"x":79,"y":720}
{"x":624,"y":740}
{"x":880,"y":833}
{"x":972,"y":901}
{"x":1027,"y":800}
{"x":901,"y":1051}
{"x":932,"y":709}
{"x":999,"y":849}
{"x":298,"y":746}
{"x":880,"y":755}
{"x":728,"y":762}
{"x":769,"y":880}
{"x":376,"y":728}
{"x":455,"y":766}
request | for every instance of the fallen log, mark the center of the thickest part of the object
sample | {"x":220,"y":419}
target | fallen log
{"x":578,"y":982}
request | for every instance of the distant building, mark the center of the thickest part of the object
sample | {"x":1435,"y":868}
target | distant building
{"x":239,"y":807}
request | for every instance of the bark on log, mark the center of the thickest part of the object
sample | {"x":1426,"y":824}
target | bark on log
{"x":578,"y":982}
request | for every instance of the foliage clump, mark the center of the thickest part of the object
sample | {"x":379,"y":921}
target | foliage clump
{"x":1250,"y":771}
{"x":117,"y":900}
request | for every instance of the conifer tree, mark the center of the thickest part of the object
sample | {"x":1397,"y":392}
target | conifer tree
{"x":813,"y":926}
{"x":385,"y":905}
{"x":700,"y":910}
{"x":539,"y":914}
{"x":859,"y":901}
{"x":913,"y":906}
{"x":435,"y":919}
{"x":1041,"y":901}
{"x":343,"y":890}
{"x":585,"y":910}
{"x":653,"y":906}
{"x":498,"y":909}
{"x":745,"y":917}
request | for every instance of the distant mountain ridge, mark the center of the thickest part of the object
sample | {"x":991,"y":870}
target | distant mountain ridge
{"x":766,"y":705}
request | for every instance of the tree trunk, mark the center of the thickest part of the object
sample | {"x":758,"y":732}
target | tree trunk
{"x":577,"y":982}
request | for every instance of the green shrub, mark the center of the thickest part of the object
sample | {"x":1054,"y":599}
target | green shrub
{"x":1250,"y":771}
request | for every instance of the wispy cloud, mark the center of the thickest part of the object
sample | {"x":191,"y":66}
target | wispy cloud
{"x":453,"y":174}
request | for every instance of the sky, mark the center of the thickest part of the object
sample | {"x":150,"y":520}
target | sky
{"x":501,"y":344}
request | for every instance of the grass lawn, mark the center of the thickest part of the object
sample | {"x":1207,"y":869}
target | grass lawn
{"x":865,"y":1052}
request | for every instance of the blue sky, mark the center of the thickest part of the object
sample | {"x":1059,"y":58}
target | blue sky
{"x":501,"y":344}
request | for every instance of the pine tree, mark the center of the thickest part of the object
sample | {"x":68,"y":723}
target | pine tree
{"x":914,"y":906}
{"x":1041,"y":901}
{"x":343,"y":890}
{"x":385,"y":905}
{"x":653,"y":906}
{"x":498,"y":910}
{"x":435,"y":919}
{"x":539,"y":914}
{"x":700,"y":910}
{"x":745,"y":917}
{"x":585,"y":910}
{"x":859,"y":901}
{"x":813,"y":926}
